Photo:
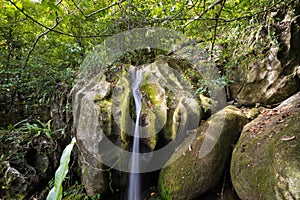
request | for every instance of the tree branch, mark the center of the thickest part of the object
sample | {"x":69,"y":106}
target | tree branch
{"x":202,"y":13}
{"x":215,"y":28}
{"x":57,"y":21}
{"x":233,"y":19}
{"x":38,"y":38}
{"x":160,"y":20}
{"x":53,"y":30}
{"x":105,"y":8}
{"x":238,"y":18}
{"x":81,"y":11}
{"x":28,"y":16}
{"x":57,"y":3}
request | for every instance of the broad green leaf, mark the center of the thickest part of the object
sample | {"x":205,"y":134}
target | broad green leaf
{"x":60,"y":174}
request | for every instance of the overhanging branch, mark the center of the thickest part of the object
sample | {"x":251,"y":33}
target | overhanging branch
{"x":97,"y":11}
{"x":215,"y":28}
{"x":202,"y":13}
{"x":38,"y":38}
{"x":105,"y":8}
{"x":53,"y":30}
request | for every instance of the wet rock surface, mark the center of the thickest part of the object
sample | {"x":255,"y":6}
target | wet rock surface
{"x":104,"y":117}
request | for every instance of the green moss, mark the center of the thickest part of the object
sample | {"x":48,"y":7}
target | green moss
{"x":151,"y":90}
{"x":254,"y":172}
{"x":153,"y":109}
{"x":189,"y":177}
{"x":176,"y":180}
{"x":168,"y":131}
{"x":97,"y":98}
{"x":265,"y":166}
{"x":151,"y":142}
{"x":124,"y":101}
{"x":287,"y":161}
{"x":105,"y":116}
{"x":167,"y":185}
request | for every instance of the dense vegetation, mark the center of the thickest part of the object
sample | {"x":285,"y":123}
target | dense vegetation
{"x":43,"y":43}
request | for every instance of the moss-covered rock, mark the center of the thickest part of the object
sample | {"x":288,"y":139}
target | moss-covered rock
{"x":273,"y":76}
{"x":153,"y":111}
{"x":94,"y":179}
{"x":198,"y":170}
{"x":121,"y":107}
{"x":93,"y":120}
{"x":266,"y":161}
{"x":167,"y":100}
{"x":168,"y":107}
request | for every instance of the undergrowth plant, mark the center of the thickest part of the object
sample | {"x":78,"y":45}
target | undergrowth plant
{"x":57,"y":191}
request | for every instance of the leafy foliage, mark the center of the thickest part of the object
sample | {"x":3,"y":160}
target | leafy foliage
{"x":29,"y":147}
{"x":43,"y":43}
{"x":24,"y":136}
{"x":60,"y":174}
{"x":77,"y":192}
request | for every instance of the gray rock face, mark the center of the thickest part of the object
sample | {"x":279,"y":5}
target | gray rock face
{"x":200,"y":168}
{"x":104,"y":112}
{"x":92,"y":120}
{"x":266,"y":161}
{"x":276,"y":75}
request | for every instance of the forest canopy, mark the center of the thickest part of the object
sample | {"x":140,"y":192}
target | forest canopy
{"x":42,"y":43}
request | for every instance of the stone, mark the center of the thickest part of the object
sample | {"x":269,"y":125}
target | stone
{"x":201,"y":167}
{"x":266,"y":161}
{"x":28,"y":167}
{"x":92,"y":114}
{"x":166,"y":100}
{"x":104,"y":114}
{"x":274,"y":76}
{"x":94,"y":179}
{"x":14,"y":182}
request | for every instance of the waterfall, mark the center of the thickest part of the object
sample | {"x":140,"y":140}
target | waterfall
{"x":134,"y":188}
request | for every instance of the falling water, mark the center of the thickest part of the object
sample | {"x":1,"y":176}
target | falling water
{"x":134,"y":188}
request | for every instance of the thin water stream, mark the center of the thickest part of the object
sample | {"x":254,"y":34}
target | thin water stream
{"x":134,"y":188}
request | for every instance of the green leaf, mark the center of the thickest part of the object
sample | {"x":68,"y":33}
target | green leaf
{"x":60,"y":174}
{"x":51,"y":4}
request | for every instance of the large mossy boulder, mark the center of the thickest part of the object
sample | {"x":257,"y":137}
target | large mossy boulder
{"x":266,"y":160}
{"x":167,"y":102}
{"x":104,"y":113}
{"x":275,"y":74}
{"x":201,"y":167}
